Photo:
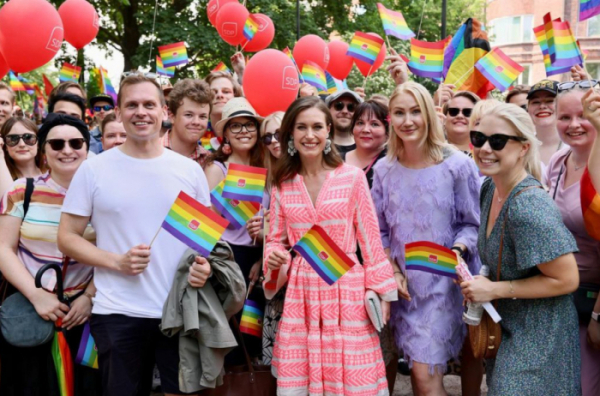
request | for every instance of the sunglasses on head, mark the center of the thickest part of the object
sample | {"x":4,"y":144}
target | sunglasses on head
{"x":105,"y":108}
{"x":454,"y":111}
{"x":29,"y":139}
{"x":497,"y":141}
{"x":339,"y":106}
{"x":585,"y":84}
{"x":59,"y":144}
{"x":268,"y":138}
{"x":139,"y":73}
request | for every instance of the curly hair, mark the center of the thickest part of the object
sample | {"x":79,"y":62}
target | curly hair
{"x":197,"y":91}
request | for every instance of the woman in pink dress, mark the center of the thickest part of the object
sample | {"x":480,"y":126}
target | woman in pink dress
{"x":326,"y":344}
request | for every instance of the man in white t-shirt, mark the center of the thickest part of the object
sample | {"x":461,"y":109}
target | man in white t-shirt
{"x":126,"y":193}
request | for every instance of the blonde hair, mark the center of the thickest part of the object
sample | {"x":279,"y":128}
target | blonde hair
{"x":433,"y":138}
{"x":269,"y":158}
{"x":237,"y":89}
{"x":523,"y":126}
{"x":480,"y":109}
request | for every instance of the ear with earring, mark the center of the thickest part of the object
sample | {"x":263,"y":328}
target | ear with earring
{"x":327,"y":148}
{"x":226,"y":147}
{"x":291,"y":148}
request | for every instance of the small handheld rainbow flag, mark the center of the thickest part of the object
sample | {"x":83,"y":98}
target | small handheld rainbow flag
{"x":15,"y":84}
{"x":252,"y":319}
{"x":221,"y":67}
{"x":29,"y":87}
{"x":332,"y":86}
{"x":236,"y":211}
{"x":106,"y":85}
{"x":430,"y":257}
{"x":590,"y":206}
{"x":194,"y":224}
{"x":173,"y":54}
{"x":161,"y":70}
{"x":588,"y":9}
{"x":365,"y":47}
{"x":288,"y":52}
{"x":321,"y":252}
{"x":314,"y":75}
{"x":250,"y":27}
{"x":540,"y":35}
{"x":68,"y":72}
{"x":499,"y":69}
{"x":562,"y":46}
{"x":87,"y":354}
{"x":427,"y":59}
{"x":394,"y":23}
{"x":245,"y":183}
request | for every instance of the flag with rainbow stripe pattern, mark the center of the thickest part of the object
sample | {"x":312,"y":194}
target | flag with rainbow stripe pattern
{"x":365,"y":47}
{"x":161,"y":70}
{"x":430,"y":257}
{"x":427,"y":58}
{"x":68,"y":72}
{"x":499,"y":69}
{"x":394,"y":23}
{"x":314,"y":75}
{"x":87,"y":354}
{"x":250,"y":27}
{"x":237,"y":212}
{"x":590,"y":206}
{"x":245,"y":183}
{"x":252,"y":319}
{"x":588,"y":9}
{"x":173,"y":54}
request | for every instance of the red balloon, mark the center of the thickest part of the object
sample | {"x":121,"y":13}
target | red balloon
{"x":340,"y":64}
{"x":270,"y":81}
{"x":3,"y":67}
{"x":365,"y":68}
{"x":311,"y":48}
{"x":263,"y":37}
{"x":80,"y":21}
{"x":31,"y":32}
{"x":213,"y":7}
{"x":230,"y":22}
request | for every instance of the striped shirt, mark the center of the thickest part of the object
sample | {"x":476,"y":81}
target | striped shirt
{"x":39,"y":229}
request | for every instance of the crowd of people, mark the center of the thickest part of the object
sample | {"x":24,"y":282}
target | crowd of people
{"x":498,"y":183}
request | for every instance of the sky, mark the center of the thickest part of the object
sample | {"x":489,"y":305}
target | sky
{"x":113,"y":63}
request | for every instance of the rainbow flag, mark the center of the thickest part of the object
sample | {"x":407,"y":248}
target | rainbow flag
{"x":590,"y":206}
{"x":106,"y":85}
{"x":194,"y":224}
{"x":15,"y":84}
{"x":252,"y":319}
{"x":250,"y":28}
{"x":173,"y":54}
{"x":245,"y":183}
{"x":314,"y":75}
{"x":562,"y":45}
{"x":365,"y":47}
{"x":332,"y":86}
{"x":321,"y":252}
{"x":87,"y":354}
{"x":540,"y":35}
{"x":29,"y":87}
{"x":63,"y":362}
{"x":48,"y":87}
{"x":499,"y":69}
{"x":427,"y":59}
{"x":161,"y":70}
{"x":68,"y":72}
{"x":394,"y":23}
{"x":588,"y":9}
{"x":288,"y":52}
{"x":221,"y":67}
{"x":236,"y":211}
{"x":430,"y":257}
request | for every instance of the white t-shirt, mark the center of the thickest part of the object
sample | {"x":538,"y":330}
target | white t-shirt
{"x":128,"y":199}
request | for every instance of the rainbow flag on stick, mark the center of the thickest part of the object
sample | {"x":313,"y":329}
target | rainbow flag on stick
{"x":252,"y":319}
{"x":194,"y":224}
{"x":588,"y":9}
{"x":321,"y":252}
{"x":15,"y":83}
{"x":68,"y":72}
{"x":314,"y":75}
{"x":288,"y":52}
{"x":590,"y":205}
{"x":394,"y":23}
{"x":562,"y":45}
{"x":250,"y":27}
{"x":499,"y":69}
{"x":365,"y":47}
{"x":427,"y":59}
{"x":540,"y":35}
{"x":237,"y":212}
{"x":221,"y":67}
{"x":245,"y":183}
{"x":29,"y":87}
{"x":161,"y":70}
{"x":106,"y":85}
{"x":430,"y":257}
{"x":173,"y":54}
{"x":87,"y":354}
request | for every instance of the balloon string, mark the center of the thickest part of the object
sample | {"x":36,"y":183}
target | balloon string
{"x":421,"y":22}
{"x":153,"y":30}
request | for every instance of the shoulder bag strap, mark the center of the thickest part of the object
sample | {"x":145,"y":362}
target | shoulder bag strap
{"x":236,"y":325}
{"x":27,"y":197}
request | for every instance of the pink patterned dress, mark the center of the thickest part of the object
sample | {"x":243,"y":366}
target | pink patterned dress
{"x":326,"y":344}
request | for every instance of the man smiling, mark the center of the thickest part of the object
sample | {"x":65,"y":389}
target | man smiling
{"x":341,"y":105}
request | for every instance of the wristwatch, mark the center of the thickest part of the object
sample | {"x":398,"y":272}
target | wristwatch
{"x":460,"y":251}
{"x":596,"y":316}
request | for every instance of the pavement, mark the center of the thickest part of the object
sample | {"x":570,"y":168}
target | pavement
{"x":451,"y":384}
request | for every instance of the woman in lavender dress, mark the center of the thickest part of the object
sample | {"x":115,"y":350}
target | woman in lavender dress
{"x":425,"y":190}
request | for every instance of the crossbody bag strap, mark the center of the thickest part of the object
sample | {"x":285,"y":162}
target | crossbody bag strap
{"x":236,"y":325}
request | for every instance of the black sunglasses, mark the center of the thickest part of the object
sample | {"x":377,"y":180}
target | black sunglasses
{"x":339,"y":106}
{"x":105,"y":108}
{"x":454,"y":111}
{"x":268,"y":138}
{"x":29,"y":139}
{"x":497,"y":140}
{"x":524,"y":107}
{"x":584,"y":84}
{"x":59,"y":144}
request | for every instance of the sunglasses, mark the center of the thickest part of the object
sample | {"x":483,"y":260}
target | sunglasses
{"x":59,"y":144}
{"x":454,"y":111}
{"x":105,"y":108}
{"x":339,"y":106}
{"x":29,"y":139}
{"x":139,"y":73}
{"x":268,"y":138}
{"x":497,"y":141}
{"x":585,"y":84}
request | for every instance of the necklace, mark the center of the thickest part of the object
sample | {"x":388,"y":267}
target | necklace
{"x":578,"y":167}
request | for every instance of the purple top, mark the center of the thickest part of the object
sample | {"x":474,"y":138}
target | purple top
{"x":569,"y":204}
{"x":439,"y":204}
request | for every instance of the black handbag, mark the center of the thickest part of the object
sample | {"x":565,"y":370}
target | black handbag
{"x":585,"y":298}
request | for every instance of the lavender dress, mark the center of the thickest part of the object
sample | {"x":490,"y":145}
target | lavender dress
{"x":438,"y":204}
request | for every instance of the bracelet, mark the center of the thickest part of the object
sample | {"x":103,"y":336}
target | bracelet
{"x":512,"y":290}
{"x":461,"y":251}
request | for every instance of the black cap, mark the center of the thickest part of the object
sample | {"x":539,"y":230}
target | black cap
{"x":56,"y":119}
{"x":102,"y":98}
{"x":544,"y":85}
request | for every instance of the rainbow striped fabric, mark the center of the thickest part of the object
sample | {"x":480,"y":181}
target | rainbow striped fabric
{"x":87,"y":354}
{"x":161,"y":70}
{"x":252,"y":319}
{"x":15,"y":83}
{"x":288,"y":52}
{"x":68,"y":72}
{"x":427,"y":59}
{"x":394,"y":23}
{"x":237,"y":212}
{"x":562,"y":45}
{"x":221,"y":67}
{"x":365,"y":47}
{"x":106,"y":85}
{"x":321,"y":252}
{"x":430,"y":257}
{"x":540,"y":35}
{"x":588,"y":9}
{"x":29,"y":87}
{"x":250,"y":27}
{"x":499,"y":69}
{"x":194,"y":224}
{"x":63,"y":362}
{"x":245,"y":183}
{"x":314,"y":75}
{"x":590,"y":206}
{"x":173,"y":54}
